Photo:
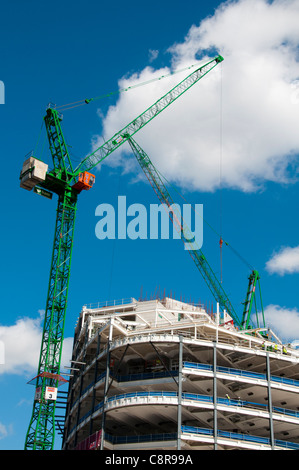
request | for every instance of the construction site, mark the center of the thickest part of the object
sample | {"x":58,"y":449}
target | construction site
{"x":161,"y":373}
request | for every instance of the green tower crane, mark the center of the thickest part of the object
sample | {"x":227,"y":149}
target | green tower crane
{"x":67,"y":183}
{"x":251,"y":299}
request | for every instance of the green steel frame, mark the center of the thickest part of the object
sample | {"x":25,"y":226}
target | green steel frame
{"x":144,"y":118}
{"x":63,"y":168}
{"x":41,"y":430}
{"x":40,"y":434}
{"x":195,"y":253}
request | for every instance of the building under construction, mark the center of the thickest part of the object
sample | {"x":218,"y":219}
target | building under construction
{"x":165,"y":374}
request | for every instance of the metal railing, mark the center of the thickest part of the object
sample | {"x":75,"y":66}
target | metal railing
{"x":240,"y":437}
{"x":111,"y":303}
{"x":241,"y":373}
{"x":190,"y":396}
{"x":191,"y":430}
{"x":197,"y":398}
{"x":195,"y":366}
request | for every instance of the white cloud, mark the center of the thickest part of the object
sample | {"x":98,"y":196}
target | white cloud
{"x":22,"y":342}
{"x":286,"y":261}
{"x":66,"y":353}
{"x":283,"y":321}
{"x":260,"y":140}
{"x":152,"y":55}
{"x":5,"y":431}
{"x":21,"y":346}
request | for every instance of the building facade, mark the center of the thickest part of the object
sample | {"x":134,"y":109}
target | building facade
{"x":164,"y":374}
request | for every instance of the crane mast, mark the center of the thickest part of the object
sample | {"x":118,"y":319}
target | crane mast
{"x":61,"y":159}
{"x":41,"y":430}
{"x":67,"y":183}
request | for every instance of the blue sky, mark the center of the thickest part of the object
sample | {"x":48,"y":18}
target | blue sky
{"x":243,"y":119}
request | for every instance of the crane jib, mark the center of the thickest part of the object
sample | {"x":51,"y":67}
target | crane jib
{"x":139,"y":122}
{"x":193,"y":250}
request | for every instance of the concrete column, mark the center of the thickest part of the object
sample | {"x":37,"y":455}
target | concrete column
{"x":106,"y":383}
{"x":215,"y":393}
{"x":180,"y":389}
{"x":95,"y":378}
{"x":270,"y":400}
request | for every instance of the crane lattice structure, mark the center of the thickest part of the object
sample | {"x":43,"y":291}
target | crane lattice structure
{"x":67,"y":183}
{"x":195,"y":252}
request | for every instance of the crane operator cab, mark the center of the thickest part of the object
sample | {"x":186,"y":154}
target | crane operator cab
{"x":85,"y":181}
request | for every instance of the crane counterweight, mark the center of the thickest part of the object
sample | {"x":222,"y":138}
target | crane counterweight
{"x":33,"y":172}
